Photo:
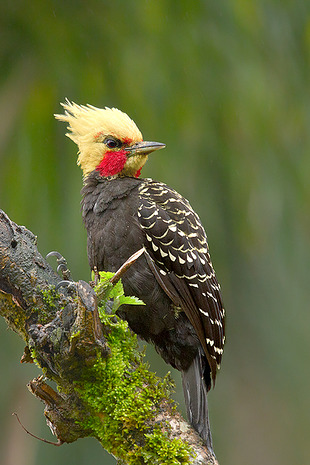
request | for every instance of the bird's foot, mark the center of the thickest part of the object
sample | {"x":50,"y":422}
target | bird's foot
{"x":64,"y":270}
{"x":62,"y":265}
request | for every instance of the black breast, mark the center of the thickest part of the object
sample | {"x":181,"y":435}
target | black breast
{"x":109,"y":213}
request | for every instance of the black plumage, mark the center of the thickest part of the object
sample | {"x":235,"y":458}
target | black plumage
{"x":183,"y":315}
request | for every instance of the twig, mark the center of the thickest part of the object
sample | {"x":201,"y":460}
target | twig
{"x":58,"y":443}
{"x":122,"y":270}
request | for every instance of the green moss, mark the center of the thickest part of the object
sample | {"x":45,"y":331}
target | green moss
{"x":125,"y":397}
{"x":50,"y":298}
{"x":35,"y":360}
{"x":162,"y":451}
{"x":75,"y":335}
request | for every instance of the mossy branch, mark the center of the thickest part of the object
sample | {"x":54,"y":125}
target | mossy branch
{"x":104,"y":388}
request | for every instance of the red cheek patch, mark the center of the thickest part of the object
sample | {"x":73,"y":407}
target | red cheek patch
{"x":112,"y":163}
{"x":138,"y":172}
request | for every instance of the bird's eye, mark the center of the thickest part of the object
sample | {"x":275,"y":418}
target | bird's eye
{"x":112,"y":143}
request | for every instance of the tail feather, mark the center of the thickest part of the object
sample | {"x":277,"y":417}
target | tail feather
{"x":195,"y":394}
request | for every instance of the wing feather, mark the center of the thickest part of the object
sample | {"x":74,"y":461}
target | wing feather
{"x":178,"y":254}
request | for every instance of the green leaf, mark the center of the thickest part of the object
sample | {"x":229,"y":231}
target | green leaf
{"x":106,"y":291}
{"x":130,"y":300}
{"x":117,"y":290}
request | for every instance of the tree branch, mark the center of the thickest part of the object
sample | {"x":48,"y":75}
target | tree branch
{"x":65,"y":337}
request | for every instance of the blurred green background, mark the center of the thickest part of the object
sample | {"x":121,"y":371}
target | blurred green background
{"x":226,"y":86}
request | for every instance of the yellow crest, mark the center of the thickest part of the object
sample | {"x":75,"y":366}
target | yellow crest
{"x":86,"y":121}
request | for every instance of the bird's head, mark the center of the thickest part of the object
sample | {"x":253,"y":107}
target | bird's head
{"x":108,"y":140}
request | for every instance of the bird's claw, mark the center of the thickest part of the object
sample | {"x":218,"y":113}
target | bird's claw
{"x":54,"y":253}
{"x":64,"y":271}
{"x":70,"y":285}
{"x":62,"y":265}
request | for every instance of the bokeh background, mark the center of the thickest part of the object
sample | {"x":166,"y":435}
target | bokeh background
{"x":225,"y":84}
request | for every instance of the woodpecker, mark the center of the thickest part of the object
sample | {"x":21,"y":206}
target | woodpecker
{"x":183,"y":314}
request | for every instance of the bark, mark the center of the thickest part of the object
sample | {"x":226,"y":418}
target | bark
{"x":64,"y":335}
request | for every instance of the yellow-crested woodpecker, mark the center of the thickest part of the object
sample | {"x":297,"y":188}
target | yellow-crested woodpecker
{"x":183,"y":316}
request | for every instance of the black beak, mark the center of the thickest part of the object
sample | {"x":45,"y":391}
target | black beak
{"x":143,"y":148}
